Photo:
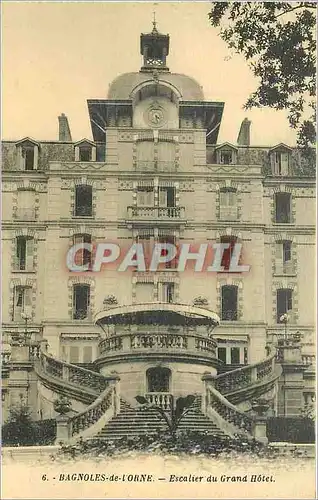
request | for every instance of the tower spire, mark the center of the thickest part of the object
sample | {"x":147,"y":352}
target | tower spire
{"x":154,"y":23}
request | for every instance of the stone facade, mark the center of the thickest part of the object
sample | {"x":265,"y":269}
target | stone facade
{"x":136,"y":154}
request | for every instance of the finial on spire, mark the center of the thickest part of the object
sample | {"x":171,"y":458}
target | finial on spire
{"x":154,"y":22}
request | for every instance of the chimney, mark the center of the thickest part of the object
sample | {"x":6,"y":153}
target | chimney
{"x":244,"y":138}
{"x":64,"y":129}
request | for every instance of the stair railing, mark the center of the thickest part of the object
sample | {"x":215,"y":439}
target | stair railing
{"x":245,"y":376}
{"x":228,"y":417}
{"x":90,"y":421}
{"x":73,"y":374}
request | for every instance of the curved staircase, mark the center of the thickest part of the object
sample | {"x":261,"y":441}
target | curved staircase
{"x":108,"y":416}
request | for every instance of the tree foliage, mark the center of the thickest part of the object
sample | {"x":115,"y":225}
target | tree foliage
{"x":278,"y":39}
{"x":176,"y":413}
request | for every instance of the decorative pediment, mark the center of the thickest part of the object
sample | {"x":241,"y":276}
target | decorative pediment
{"x":28,"y":142}
{"x":226,"y":145}
{"x":84,"y":142}
{"x":280,"y":147}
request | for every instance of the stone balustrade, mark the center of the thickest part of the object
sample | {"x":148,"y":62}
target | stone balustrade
{"x":245,"y":376}
{"x":94,"y":412}
{"x":135,"y":342}
{"x":165,"y":213}
{"x":73,"y":374}
{"x":163,"y":400}
{"x":228,"y":411}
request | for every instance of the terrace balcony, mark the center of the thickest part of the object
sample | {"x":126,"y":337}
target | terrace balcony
{"x":157,"y":331}
{"x":153,"y":215}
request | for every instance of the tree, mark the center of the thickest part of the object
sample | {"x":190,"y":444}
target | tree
{"x":20,"y":429}
{"x":176,"y":413}
{"x":278,"y":40}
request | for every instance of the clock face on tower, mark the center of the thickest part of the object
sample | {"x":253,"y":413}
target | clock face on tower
{"x":156,"y":116}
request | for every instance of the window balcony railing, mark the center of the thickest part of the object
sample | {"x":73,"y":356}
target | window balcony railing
{"x":164,"y":213}
{"x":288,"y":267}
{"x":229,"y":315}
{"x":283,"y":218}
{"x":83,"y":211}
{"x":25,"y":214}
{"x":23,"y":265}
{"x":81,"y":314}
{"x":156,"y":166}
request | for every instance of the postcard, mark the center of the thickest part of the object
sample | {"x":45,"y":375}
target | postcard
{"x":158,"y":250}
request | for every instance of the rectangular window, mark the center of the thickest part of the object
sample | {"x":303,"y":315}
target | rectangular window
{"x":24,"y":254}
{"x":83,"y":201}
{"x":226,"y":157}
{"x":172,"y":264}
{"x":229,"y":303}
{"x":284,"y":302}
{"x":282,"y":202}
{"x":87,"y":354}
{"x":85,"y":154}
{"x":26,"y":202}
{"x":281,"y":163}
{"x":167,"y":292}
{"x":144,"y":293}
{"x":21,"y":253}
{"x":286,"y":251}
{"x":22,"y":301}
{"x":222,"y":354}
{"x":28,"y":156}
{"x":82,"y":256}
{"x":228,"y":252}
{"x":235,"y":355}
{"x":81,"y":301}
{"x":74,"y":354}
{"x":145,"y":197}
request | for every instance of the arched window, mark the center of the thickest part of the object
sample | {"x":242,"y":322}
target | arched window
{"x":158,"y":379}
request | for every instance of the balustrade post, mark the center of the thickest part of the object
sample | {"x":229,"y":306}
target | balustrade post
{"x":254,"y":374}
{"x":126,"y":343}
{"x":65,"y":372}
{"x":208,"y":383}
{"x":191,"y":343}
{"x":63,"y":433}
{"x":259,"y":429}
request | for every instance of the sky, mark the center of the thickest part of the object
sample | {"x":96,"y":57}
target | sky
{"x":56,"y":55}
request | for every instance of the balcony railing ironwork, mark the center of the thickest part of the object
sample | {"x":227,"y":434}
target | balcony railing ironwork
{"x":167,"y":213}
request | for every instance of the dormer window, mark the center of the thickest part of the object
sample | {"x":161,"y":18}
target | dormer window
{"x":226,"y":157}
{"x":226,"y":154}
{"x":280,"y":160}
{"x":85,"y":151}
{"x":27,"y":154}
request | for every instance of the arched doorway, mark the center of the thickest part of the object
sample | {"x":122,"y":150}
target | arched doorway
{"x":158,"y":379}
